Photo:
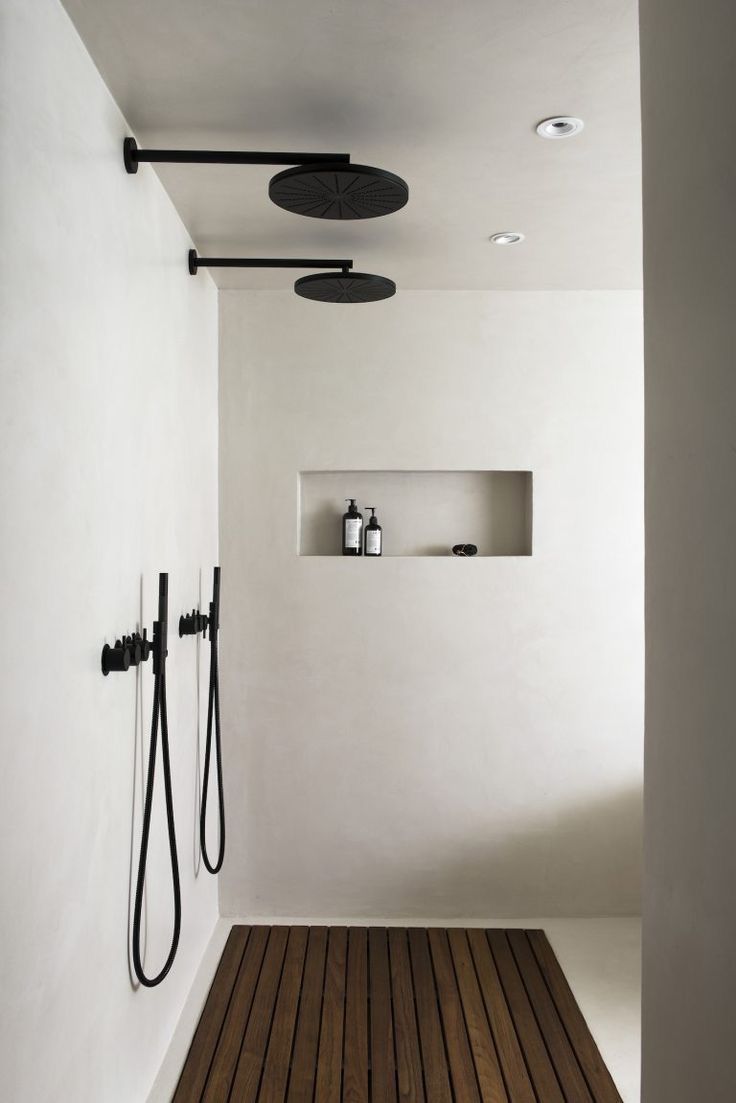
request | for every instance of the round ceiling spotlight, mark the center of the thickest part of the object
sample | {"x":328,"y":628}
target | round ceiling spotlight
{"x":507,"y":237}
{"x":561,"y":126}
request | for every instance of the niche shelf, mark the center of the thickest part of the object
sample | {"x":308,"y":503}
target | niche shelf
{"x":422,"y":513}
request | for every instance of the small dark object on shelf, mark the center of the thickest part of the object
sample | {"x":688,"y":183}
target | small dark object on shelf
{"x":465,"y":549}
{"x":352,"y":529}
{"x":373,"y":535}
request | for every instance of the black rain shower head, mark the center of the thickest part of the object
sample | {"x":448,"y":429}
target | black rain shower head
{"x":321,"y":185}
{"x":323,"y":287}
{"x":345,"y":287}
{"x":338,"y":191}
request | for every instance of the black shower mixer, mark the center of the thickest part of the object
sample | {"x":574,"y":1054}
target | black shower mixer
{"x":191,"y":624}
{"x":128,"y":651}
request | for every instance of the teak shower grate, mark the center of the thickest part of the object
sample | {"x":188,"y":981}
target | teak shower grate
{"x":388,"y":1015}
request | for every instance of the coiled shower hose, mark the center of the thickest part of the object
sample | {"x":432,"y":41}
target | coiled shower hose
{"x":213,"y":714}
{"x":160,"y":631}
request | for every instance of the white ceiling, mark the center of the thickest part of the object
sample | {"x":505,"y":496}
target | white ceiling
{"x":446,"y":94}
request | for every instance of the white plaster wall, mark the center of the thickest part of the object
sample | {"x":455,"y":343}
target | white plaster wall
{"x":429,"y":736}
{"x":108,"y":444}
{"x":689,"y":88}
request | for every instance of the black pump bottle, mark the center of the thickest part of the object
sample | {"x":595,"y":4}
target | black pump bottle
{"x":373,"y":535}
{"x":352,"y":530}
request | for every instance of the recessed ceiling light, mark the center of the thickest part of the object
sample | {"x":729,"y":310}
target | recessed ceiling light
{"x":507,"y":237}
{"x":561,"y":126}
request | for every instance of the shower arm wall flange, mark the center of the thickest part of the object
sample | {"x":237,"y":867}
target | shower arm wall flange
{"x":132,"y":156}
{"x":196,"y":262}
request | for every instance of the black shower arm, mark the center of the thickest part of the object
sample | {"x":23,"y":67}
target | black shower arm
{"x":132,"y":155}
{"x":196,"y":262}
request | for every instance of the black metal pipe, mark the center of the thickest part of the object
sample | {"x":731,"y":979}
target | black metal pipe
{"x":238,"y":157}
{"x":266,"y":262}
{"x":132,"y":155}
{"x":196,"y":262}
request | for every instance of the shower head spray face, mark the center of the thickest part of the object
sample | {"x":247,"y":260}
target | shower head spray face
{"x":338,"y":191}
{"x":345,"y":287}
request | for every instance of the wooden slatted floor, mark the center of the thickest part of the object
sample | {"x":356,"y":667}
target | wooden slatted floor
{"x":376,"y":1015}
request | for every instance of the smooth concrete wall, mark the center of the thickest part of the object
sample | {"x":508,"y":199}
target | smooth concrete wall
{"x":108,"y":446}
{"x":431,"y":736}
{"x":689,"y":92}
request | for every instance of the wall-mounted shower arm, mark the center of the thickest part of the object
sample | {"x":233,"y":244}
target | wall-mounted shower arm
{"x":132,"y":156}
{"x":196,"y":262}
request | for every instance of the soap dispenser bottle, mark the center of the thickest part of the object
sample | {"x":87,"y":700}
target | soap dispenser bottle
{"x":352,"y":530}
{"x":373,"y":535}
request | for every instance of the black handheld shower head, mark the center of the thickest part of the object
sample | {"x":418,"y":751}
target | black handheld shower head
{"x":159,"y":719}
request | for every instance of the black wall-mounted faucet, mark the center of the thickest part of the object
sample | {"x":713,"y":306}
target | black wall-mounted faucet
{"x":190,"y":624}
{"x":128,"y":651}
{"x":115,"y":658}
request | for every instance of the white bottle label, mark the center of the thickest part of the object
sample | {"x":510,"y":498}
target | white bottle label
{"x":353,"y":526}
{"x":372,"y":541}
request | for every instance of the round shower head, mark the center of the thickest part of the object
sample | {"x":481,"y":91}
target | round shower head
{"x":345,"y":287}
{"x":336,"y":190}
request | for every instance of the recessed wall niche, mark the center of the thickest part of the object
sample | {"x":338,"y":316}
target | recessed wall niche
{"x":422,"y":513}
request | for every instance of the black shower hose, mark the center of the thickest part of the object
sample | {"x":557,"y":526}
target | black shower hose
{"x":159,"y":712}
{"x":213,"y":713}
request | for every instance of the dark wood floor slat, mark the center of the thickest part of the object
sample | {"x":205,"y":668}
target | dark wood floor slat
{"x":304,"y":1066}
{"x":542,"y":1073}
{"x":383,"y":1067}
{"x":436,"y":1072}
{"x":391,"y":1015}
{"x":462,"y":1070}
{"x":409,"y":1081}
{"x":197,"y":1066}
{"x":502,"y":1027}
{"x":278,"y":1056}
{"x":488,"y":1072}
{"x":355,"y":1071}
{"x":596,"y":1074}
{"x":252,"y":1054}
{"x":329,"y":1060}
{"x":225,"y":1060}
{"x":566,"y":1064}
